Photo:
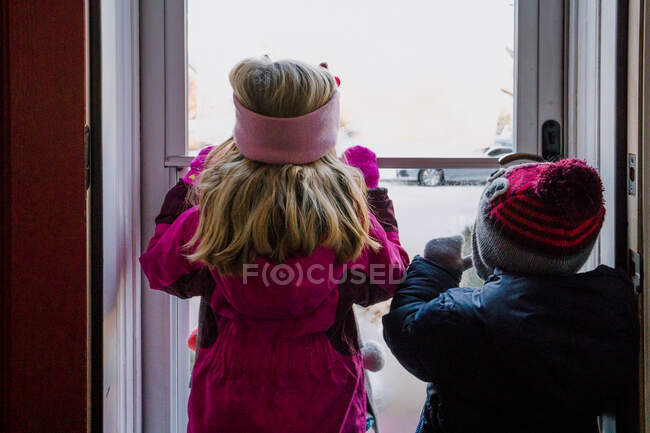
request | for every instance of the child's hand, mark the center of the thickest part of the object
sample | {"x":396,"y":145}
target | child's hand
{"x":196,"y":166}
{"x":447,"y":252}
{"x":365,"y":160}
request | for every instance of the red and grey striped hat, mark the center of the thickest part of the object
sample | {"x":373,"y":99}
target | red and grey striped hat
{"x":539,"y":218}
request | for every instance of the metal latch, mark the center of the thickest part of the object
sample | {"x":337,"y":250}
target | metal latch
{"x":635,"y":259}
{"x":631,"y":174}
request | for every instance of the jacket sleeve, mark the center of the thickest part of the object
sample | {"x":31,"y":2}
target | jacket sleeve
{"x":430,"y":321}
{"x":381,"y":206}
{"x":174,"y":204}
{"x":374,"y":277}
{"x":165,"y":262}
{"x":176,"y":201}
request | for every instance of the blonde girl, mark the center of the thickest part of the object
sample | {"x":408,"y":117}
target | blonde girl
{"x":280,"y":245}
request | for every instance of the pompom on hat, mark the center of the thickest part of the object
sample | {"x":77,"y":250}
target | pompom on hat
{"x":539,"y":219}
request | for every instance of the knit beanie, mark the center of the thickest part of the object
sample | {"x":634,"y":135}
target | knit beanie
{"x":538,"y":219}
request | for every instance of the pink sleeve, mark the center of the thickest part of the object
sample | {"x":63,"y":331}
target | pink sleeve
{"x":384,"y":269}
{"x":165,"y":262}
{"x":391,"y":251}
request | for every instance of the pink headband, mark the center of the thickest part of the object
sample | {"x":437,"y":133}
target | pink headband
{"x":282,"y":140}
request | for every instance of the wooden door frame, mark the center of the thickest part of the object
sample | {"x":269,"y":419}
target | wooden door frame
{"x":643,"y":206}
{"x":639,"y":205}
{"x":44,"y":366}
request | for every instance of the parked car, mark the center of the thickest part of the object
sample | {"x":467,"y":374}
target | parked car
{"x":497,"y":151}
{"x":441,"y":176}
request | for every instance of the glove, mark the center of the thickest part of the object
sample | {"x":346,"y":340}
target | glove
{"x":176,"y":201}
{"x":196,"y":166}
{"x":365,"y":160}
{"x":448,"y":253}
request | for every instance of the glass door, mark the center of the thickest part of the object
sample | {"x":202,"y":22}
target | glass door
{"x":438,"y":89}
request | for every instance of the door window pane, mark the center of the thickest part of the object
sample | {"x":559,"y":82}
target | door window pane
{"x":423,"y":213}
{"x":419,"y":78}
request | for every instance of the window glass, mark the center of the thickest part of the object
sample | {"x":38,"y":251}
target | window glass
{"x":423,"y":213}
{"x":419,"y":78}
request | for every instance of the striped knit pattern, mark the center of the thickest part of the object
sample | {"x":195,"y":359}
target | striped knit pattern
{"x":527,"y":220}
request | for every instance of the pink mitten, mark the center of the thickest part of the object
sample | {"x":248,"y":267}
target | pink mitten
{"x":196,"y":166}
{"x":365,"y":160}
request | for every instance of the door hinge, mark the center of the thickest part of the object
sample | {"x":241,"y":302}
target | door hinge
{"x":636,"y":271}
{"x":87,"y":154}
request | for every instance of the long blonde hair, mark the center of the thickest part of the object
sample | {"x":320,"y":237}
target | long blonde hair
{"x":250,"y":209}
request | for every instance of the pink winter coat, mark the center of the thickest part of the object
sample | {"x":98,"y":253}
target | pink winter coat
{"x":278,"y":349}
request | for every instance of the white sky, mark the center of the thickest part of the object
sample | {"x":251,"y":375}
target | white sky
{"x":419,"y":77}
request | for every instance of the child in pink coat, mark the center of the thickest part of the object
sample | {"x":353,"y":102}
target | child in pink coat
{"x":282,"y":243}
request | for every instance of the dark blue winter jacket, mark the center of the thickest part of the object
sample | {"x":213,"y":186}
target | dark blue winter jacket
{"x":520,"y":354}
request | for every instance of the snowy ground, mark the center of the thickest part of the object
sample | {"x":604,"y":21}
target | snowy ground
{"x":427,"y":212}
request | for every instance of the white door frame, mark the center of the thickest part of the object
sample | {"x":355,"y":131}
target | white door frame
{"x":539,"y":96}
{"x":122,"y":368}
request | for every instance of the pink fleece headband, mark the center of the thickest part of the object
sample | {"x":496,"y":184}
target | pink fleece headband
{"x":282,"y":140}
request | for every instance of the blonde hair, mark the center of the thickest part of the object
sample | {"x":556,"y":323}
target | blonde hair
{"x":250,"y":209}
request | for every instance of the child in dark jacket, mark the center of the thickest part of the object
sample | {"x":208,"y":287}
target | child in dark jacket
{"x":539,"y":347}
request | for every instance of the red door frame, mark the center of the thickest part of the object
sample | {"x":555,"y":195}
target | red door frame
{"x":43,"y":231}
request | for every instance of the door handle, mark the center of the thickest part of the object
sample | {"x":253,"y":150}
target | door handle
{"x":519,"y":156}
{"x":552,"y":140}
